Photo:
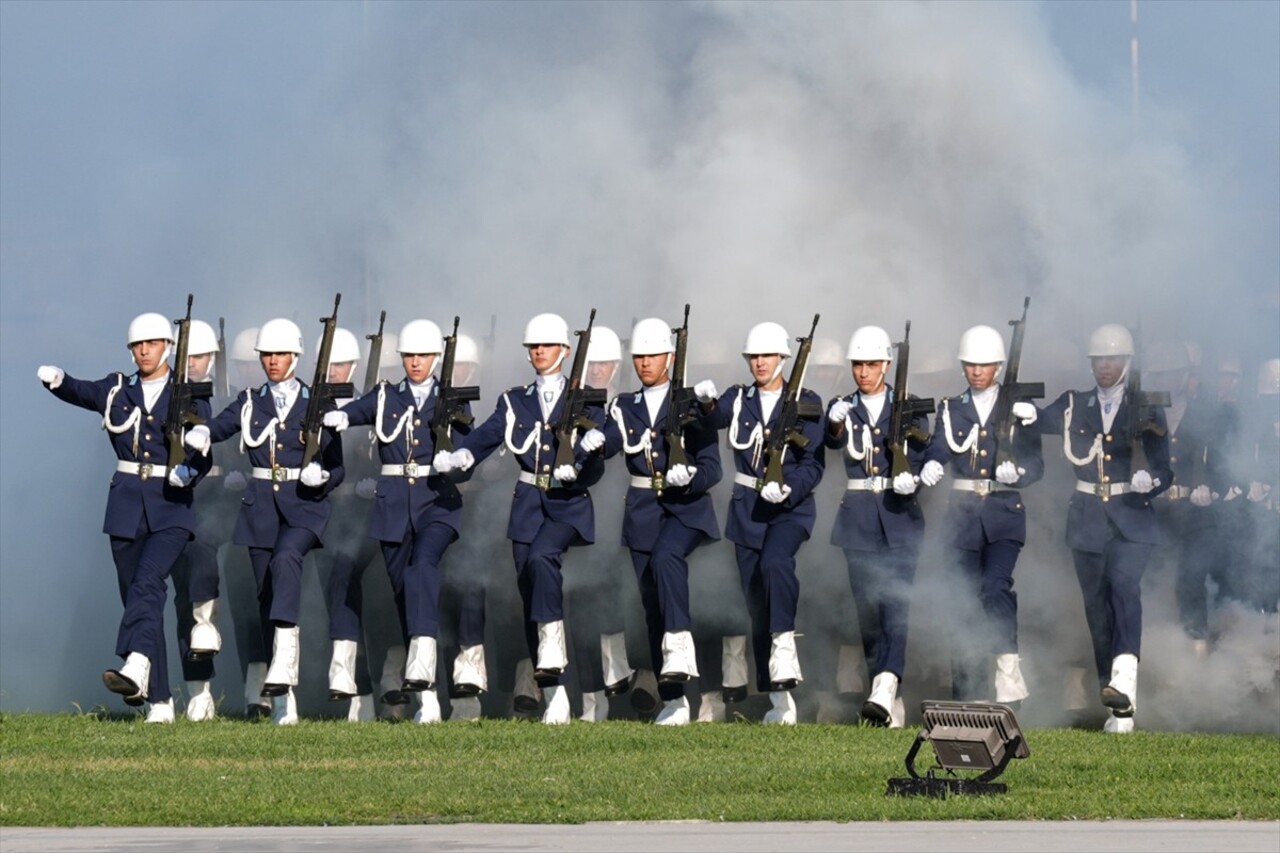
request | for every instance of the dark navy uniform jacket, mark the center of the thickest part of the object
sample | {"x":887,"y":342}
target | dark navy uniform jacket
{"x":132,"y":497}
{"x":867,"y":520}
{"x":266,"y":502}
{"x":402,"y":503}
{"x":1088,"y":516}
{"x":531,"y":505}
{"x":646,"y":508}
{"x":749,"y":515}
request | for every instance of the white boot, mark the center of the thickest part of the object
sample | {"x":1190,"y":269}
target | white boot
{"x":595,"y":707}
{"x":1010,"y":686}
{"x":466,"y":708}
{"x":733,"y":666}
{"x":898,"y":715}
{"x":784,"y":661}
{"x":361,"y":708}
{"x":428,"y":708}
{"x":784,"y":709}
{"x":394,"y":700}
{"x":557,"y":713}
{"x":524,"y":697}
{"x":679,"y":662}
{"x":283,"y":671}
{"x":342,"y":670}
{"x":160,"y":712}
{"x":613,"y":662}
{"x":420,"y":668}
{"x":205,"y":639}
{"x":553,"y":655}
{"x":470,"y":675}
{"x":878,"y":708}
{"x":200,"y":705}
{"x":1120,"y":694}
{"x":1118,"y":725}
{"x":675,"y":712}
{"x":849,"y":671}
{"x":711,"y":708}
{"x":255,"y":676}
{"x":130,"y":680}
{"x":284,"y":709}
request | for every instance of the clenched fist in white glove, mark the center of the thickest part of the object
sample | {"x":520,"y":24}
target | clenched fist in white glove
{"x":367,"y":488}
{"x":1007,"y":473}
{"x":1141,"y":482}
{"x":681,"y":475}
{"x":565,"y":473}
{"x":1025,"y":413}
{"x":1201,"y":496}
{"x":337,"y":420}
{"x":462,"y":460}
{"x":314,"y":476}
{"x":592,"y":441}
{"x":774,"y":493}
{"x":1233,"y":493}
{"x":197,"y":438}
{"x":443,"y":463}
{"x":235,"y":481}
{"x":51,"y":376}
{"x":904,"y":484}
{"x":931,"y":473}
{"x":181,"y":476}
{"x":705,"y":391}
{"x":839,"y":411}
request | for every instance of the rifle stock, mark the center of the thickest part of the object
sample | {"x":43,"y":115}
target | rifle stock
{"x":793,"y":410}
{"x":182,"y":395}
{"x":451,"y":400}
{"x":905,"y":410}
{"x":323,"y":392}
{"x":577,"y":398}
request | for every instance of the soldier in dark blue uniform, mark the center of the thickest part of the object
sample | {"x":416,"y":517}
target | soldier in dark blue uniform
{"x":985,"y":515}
{"x":769,"y":522}
{"x":668,"y":508}
{"x":149,"y":515}
{"x":1111,"y":526}
{"x":551,"y":508}
{"x":285,"y":508}
{"x":879,"y":524}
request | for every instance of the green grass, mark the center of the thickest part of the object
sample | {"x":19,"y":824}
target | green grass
{"x":78,"y":770}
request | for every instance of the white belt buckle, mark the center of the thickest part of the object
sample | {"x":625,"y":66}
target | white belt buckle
{"x":411,"y":469}
{"x":144,"y":470}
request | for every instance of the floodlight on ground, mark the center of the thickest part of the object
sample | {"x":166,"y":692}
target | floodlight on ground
{"x":980,"y":736}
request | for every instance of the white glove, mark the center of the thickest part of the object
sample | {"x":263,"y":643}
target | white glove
{"x":681,"y":475}
{"x":839,"y":411}
{"x":180,"y":476}
{"x":314,"y":476}
{"x":931,"y":473}
{"x":774,"y":493}
{"x":1233,"y":493}
{"x":235,"y":481}
{"x":367,"y":488}
{"x":705,"y":391}
{"x":1141,"y":482}
{"x":565,"y":473}
{"x":51,"y":376}
{"x":1258,"y":491}
{"x":592,"y":441}
{"x":197,"y":438}
{"x":1025,"y":413}
{"x":1008,"y":473}
{"x":337,"y":420}
{"x":904,"y":483}
{"x":443,"y":463}
{"x":462,"y":460}
{"x":1201,"y":496}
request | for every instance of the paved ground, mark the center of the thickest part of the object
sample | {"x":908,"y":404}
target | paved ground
{"x":952,"y":837}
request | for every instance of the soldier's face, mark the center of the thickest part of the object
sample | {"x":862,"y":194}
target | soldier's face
{"x":600,"y":373}
{"x":341,"y":372}
{"x":149,"y":356}
{"x":418,"y":365}
{"x":980,"y":376}
{"x":651,"y":369}
{"x":764,"y":370}
{"x":545,"y":358}
{"x":198,"y":367}
{"x":277,"y":365}
{"x":870,"y":375}
{"x":1108,"y":369}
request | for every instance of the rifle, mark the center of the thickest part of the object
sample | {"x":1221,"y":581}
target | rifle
{"x":1141,"y":405}
{"x":450,"y":400}
{"x":787,"y":432}
{"x":224,"y":366}
{"x":323,"y":392}
{"x":375,"y":354}
{"x":183,"y":395}
{"x":576,"y":399}
{"x":683,"y":408}
{"x":905,"y":410}
{"x":1013,"y":391}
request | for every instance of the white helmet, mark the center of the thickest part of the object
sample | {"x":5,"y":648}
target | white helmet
{"x":870,"y":343}
{"x":420,"y":336}
{"x":546,"y":329}
{"x":981,"y":345}
{"x":604,"y":345}
{"x":242,"y":348}
{"x":767,"y":339}
{"x":345,"y":346}
{"x":279,"y":335}
{"x":1269,"y":378}
{"x":202,"y":340}
{"x":467,"y":352}
{"x":651,"y":336}
{"x":150,"y":327}
{"x":1111,"y":339}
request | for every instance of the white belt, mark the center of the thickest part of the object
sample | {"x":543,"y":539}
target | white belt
{"x":748,"y":481}
{"x":869,"y":484}
{"x":277,"y":474}
{"x":145,"y":470}
{"x":543,"y":481}
{"x":982,"y":488}
{"x":1102,"y":490}
{"x":409,"y":469}
{"x":1176,"y":493}
{"x":638,"y":482}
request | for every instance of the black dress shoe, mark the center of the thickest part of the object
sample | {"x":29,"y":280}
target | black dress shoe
{"x":1112,"y":698}
{"x":117,"y":682}
{"x":395,"y":697}
{"x":645,"y":702}
{"x":524,"y":704}
{"x":196,"y":655}
{"x":135,"y":701}
{"x":463,"y":690}
{"x":620,"y":687}
{"x":270,"y":690}
{"x":549,"y":674}
{"x":674,"y":678}
{"x":257,"y":712}
{"x":339,"y":695}
{"x":413,"y":685}
{"x":875,"y":715}
{"x":784,"y":684}
{"x":734,"y":694}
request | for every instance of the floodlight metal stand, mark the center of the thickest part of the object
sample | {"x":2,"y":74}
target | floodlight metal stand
{"x":965,"y":736}
{"x":931,"y":785}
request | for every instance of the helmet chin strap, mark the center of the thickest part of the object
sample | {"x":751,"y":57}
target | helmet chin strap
{"x":293,"y":366}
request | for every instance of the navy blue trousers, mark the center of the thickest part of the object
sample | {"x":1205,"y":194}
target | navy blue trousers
{"x":663,"y":576}
{"x":771,"y":587}
{"x":278,"y":573}
{"x":414,"y":569}
{"x":540,"y":582}
{"x":881,"y":584}
{"x":143,"y":564}
{"x":1111,"y":583}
